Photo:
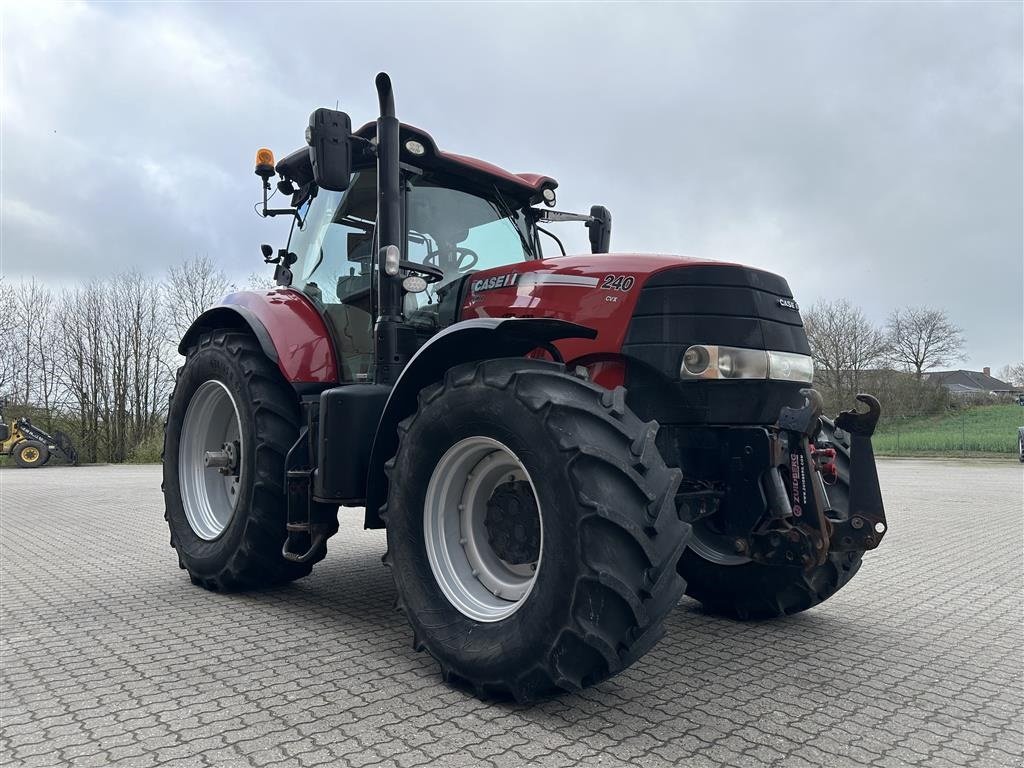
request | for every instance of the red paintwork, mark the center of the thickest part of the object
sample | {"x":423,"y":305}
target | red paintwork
{"x":607,"y":311}
{"x":538,"y":180}
{"x":303,"y":345}
{"x":531,"y":182}
{"x":305,"y":354}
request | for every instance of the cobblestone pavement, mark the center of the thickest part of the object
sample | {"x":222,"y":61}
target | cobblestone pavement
{"x":110,"y":656}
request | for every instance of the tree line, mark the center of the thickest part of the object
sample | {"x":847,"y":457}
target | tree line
{"x":98,"y":360}
{"x":890,"y":360}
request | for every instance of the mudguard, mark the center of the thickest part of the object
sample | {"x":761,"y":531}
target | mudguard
{"x":464,"y":342}
{"x":287,"y":326}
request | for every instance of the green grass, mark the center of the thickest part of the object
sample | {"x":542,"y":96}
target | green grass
{"x":984,"y":429}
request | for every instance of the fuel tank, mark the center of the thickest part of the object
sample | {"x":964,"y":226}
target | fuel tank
{"x":647,"y":309}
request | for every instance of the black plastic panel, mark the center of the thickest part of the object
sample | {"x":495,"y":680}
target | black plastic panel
{"x":348,"y":421}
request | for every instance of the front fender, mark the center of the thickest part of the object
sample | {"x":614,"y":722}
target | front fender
{"x":464,"y":342}
{"x":288,"y":327}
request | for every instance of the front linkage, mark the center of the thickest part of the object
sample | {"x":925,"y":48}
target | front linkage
{"x":798,"y":491}
{"x":823,"y":494}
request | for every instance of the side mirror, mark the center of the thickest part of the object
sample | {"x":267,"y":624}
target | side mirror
{"x":600,"y":226}
{"x":330,"y":148}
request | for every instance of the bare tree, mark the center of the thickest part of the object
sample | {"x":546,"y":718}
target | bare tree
{"x":81,"y":351}
{"x":136,"y":350}
{"x":922,"y":338}
{"x":30,"y":360}
{"x":9,"y":347}
{"x":1013,"y":374}
{"x":844,"y":344}
{"x":260,"y":281}
{"x":191,"y":288}
{"x":111,"y":357}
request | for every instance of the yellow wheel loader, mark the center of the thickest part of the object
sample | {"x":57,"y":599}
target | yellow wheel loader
{"x":32,"y":446}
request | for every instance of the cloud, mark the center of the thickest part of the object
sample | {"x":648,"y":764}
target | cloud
{"x":861,"y":150}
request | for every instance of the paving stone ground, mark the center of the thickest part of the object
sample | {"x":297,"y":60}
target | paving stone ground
{"x":110,"y":657}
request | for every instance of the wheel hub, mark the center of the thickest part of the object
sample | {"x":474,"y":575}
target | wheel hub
{"x":513,"y":528}
{"x":225,"y":460}
{"x":483,"y":529}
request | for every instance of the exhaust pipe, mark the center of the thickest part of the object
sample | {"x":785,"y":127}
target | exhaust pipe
{"x":390,"y":358}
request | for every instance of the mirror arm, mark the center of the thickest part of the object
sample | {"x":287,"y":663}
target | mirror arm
{"x":550,"y":215}
{"x":271,"y":212}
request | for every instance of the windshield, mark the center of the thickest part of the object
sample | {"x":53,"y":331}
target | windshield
{"x":461,"y":232}
{"x":333,"y":247}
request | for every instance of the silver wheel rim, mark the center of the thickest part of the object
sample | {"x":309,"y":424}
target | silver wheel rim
{"x":209,"y":495}
{"x":474,"y":578}
{"x":713,"y":547}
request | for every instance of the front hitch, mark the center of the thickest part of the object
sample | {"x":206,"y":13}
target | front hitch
{"x":864,"y":524}
{"x":822,"y":495}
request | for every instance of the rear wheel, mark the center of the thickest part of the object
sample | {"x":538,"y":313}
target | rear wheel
{"x":30,"y":454}
{"x":532,"y":530}
{"x":733,"y":585}
{"x":231,"y":422}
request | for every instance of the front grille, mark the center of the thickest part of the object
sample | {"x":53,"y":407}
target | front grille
{"x":710,"y":304}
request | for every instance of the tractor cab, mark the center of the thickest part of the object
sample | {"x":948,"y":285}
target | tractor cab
{"x":451,"y":225}
{"x":450,"y":216}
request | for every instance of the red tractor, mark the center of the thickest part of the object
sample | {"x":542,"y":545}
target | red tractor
{"x":558,"y":447}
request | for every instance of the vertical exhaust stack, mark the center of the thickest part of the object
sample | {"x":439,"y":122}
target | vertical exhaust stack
{"x":390,"y":359}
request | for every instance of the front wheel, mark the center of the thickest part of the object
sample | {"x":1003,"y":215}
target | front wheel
{"x":532,"y":529}
{"x":29,"y":454}
{"x":231,"y":422}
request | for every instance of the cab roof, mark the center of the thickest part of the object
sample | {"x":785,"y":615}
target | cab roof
{"x":296,"y":166}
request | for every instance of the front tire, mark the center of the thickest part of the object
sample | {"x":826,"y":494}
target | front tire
{"x":739,"y":588}
{"x":228,"y":527}
{"x":603,"y":539}
{"x":29,"y":454}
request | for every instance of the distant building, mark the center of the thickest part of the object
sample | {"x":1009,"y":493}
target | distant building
{"x":972,"y":382}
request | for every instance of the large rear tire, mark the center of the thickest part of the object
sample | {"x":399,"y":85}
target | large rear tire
{"x":228,"y":527}
{"x":532,"y":529}
{"x":727,"y":584}
{"x":29,"y":454}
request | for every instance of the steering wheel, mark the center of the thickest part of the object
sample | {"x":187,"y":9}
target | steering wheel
{"x":465,"y":253}
{"x":428,"y":272}
{"x":465,"y":258}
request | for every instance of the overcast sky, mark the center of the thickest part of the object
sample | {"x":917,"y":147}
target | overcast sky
{"x":866,"y":151}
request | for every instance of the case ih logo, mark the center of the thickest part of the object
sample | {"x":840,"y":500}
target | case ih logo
{"x":789,"y":304}
{"x":490,"y":283}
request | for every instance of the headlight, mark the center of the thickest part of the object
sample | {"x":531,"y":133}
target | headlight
{"x":787,"y":366}
{"x":709,"y":361}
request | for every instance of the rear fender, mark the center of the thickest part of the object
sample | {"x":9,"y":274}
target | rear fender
{"x":464,"y":342}
{"x":287,"y":326}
